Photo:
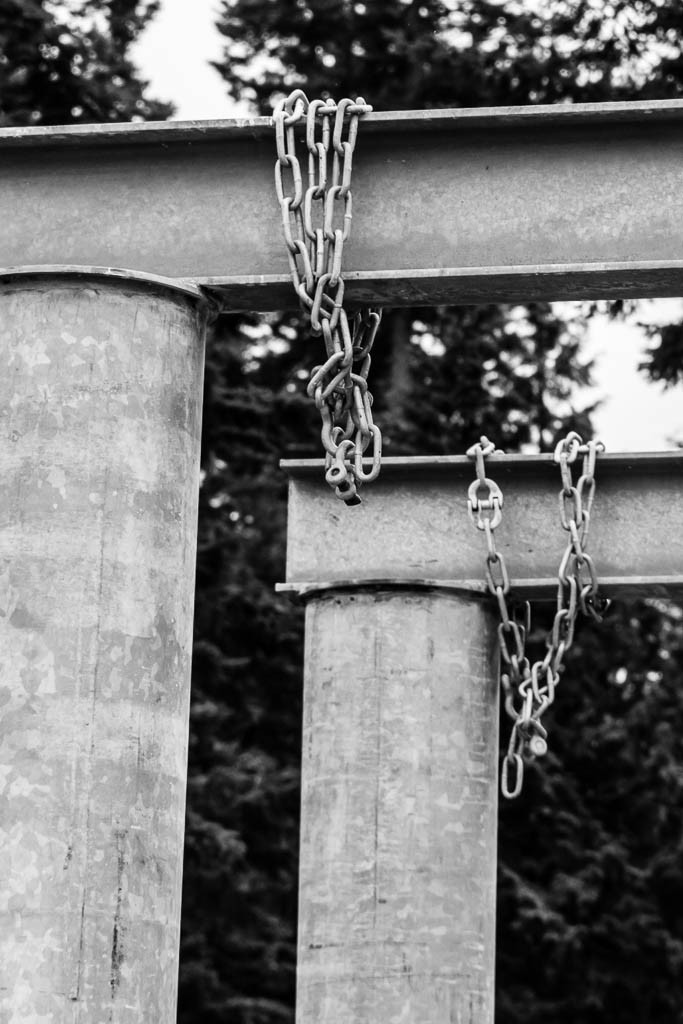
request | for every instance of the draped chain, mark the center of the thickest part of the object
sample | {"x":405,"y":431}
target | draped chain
{"x":316,"y":221}
{"x":529,"y":690}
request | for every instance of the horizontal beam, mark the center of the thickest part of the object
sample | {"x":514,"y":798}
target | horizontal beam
{"x":451,"y":206}
{"x":413,"y":528}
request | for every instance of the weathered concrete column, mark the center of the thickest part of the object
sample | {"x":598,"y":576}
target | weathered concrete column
{"x":100,"y":405}
{"x":399,"y":807}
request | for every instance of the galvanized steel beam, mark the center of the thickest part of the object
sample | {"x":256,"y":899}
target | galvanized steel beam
{"x":413,"y":528}
{"x":454,"y":206}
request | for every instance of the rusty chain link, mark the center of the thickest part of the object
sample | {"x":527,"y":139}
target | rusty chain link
{"x":529,"y":690}
{"x":316,"y":221}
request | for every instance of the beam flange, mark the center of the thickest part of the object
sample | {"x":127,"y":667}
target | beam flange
{"x":413,"y":528}
{"x":452,"y":206}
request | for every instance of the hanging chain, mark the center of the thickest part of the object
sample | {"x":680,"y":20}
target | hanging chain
{"x":316,"y":220}
{"x":529,"y":690}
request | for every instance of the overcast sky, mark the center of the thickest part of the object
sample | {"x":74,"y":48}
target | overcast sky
{"x":173,"y":55}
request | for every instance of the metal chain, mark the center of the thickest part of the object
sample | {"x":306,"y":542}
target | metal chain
{"x":316,"y":220}
{"x":529,"y":690}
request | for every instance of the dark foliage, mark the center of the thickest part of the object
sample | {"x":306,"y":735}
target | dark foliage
{"x":239,"y":907}
{"x":70,"y":65}
{"x":590,"y":927}
{"x":664,"y":362}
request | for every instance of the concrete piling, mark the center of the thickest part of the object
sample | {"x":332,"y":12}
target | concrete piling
{"x":100,"y":406}
{"x":399,"y":805}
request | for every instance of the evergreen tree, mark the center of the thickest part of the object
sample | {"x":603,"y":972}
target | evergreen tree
{"x":70,"y":64}
{"x":590,"y":855}
{"x":239,"y":890}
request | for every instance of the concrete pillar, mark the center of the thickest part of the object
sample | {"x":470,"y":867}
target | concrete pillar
{"x":399,"y":807}
{"x":100,"y":406}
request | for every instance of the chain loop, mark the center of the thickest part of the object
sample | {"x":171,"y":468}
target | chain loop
{"x":316,"y":223}
{"x":529,"y":690}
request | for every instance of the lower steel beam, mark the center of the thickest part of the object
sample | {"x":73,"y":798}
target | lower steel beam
{"x":565,"y":201}
{"x":413,"y":526}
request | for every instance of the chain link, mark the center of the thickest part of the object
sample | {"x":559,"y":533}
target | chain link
{"x":529,"y":690}
{"x":316,"y":221}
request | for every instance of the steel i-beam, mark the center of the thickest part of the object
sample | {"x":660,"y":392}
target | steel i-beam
{"x":450,"y":206}
{"x":413,"y":527}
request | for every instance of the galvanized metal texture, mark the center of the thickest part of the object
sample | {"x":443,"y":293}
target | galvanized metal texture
{"x":399,"y":810}
{"x":100,"y":402}
{"x":557,"y":202}
{"x":413,"y":526}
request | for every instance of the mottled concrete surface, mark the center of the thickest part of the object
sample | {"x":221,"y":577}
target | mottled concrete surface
{"x":399,"y":805}
{"x":100,"y":395}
